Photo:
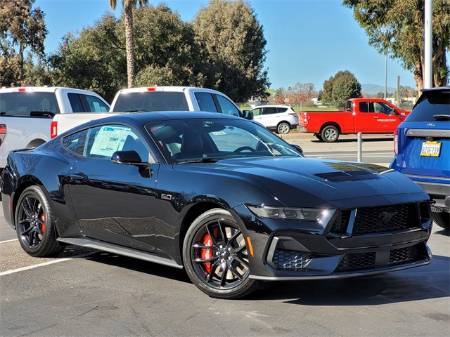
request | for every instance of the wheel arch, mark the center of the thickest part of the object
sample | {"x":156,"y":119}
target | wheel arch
{"x":22,"y":184}
{"x":330,"y":123}
{"x":194,"y":212}
{"x":35,"y":143}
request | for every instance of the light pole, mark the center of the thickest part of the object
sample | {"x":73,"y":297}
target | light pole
{"x":428,"y":70}
{"x":385,"y":76}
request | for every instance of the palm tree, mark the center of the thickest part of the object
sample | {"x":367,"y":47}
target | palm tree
{"x":128,"y":6}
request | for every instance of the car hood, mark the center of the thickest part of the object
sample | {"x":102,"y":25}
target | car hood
{"x":289,"y":179}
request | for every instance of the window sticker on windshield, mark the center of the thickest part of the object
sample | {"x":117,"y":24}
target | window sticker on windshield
{"x":109,"y":140}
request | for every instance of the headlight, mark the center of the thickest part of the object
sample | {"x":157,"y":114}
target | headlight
{"x":319,"y":215}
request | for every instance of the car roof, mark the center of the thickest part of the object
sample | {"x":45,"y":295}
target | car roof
{"x":272,"y":106}
{"x":44,"y":89}
{"x":166,"y":88}
{"x":436,"y":89}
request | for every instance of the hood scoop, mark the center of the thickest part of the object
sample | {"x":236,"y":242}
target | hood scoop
{"x":339,"y":176}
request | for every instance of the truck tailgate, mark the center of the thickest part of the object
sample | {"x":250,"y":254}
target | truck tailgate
{"x":65,"y":122}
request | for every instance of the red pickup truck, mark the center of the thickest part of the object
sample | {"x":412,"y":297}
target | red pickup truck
{"x":366,"y":115}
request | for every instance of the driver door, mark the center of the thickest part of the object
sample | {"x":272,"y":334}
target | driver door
{"x":387,"y":117}
{"x":115,"y":202}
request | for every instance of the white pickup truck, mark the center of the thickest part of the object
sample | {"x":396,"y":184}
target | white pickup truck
{"x":26,"y":114}
{"x":155,"y":98}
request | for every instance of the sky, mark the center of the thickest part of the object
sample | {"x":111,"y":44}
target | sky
{"x":307,"y":40}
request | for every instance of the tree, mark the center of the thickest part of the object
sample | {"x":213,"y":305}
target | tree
{"x":166,"y":53}
{"x":128,"y":6}
{"x":340,"y":87}
{"x":234,"y":49}
{"x":22,"y":28}
{"x":397,"y":27}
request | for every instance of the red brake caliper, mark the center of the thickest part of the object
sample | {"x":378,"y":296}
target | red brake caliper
{"x":206,"y":253}
{"x":42,"y":218}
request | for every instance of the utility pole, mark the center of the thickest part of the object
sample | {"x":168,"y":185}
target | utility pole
{"x":428,"y":71}
{"x":385,"y":75}
{"x":398,"y":98}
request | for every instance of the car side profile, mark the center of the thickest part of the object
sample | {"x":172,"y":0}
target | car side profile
{"x":279,"y":118}
{"x":219,"y":196}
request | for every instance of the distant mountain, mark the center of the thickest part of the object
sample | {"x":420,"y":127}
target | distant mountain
{"x":373,"y":89}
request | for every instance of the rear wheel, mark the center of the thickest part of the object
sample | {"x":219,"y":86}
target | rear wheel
{"x":283,"y":128}
{"x":34,"y":226}
{"x":330,"y":133}
{"x":215,"y":256}
{"x":442,"y":219}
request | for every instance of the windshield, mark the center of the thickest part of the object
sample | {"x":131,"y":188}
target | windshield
{"x":215,"y":139}
{"x":151,"y":101}
{"x":28,"y":104}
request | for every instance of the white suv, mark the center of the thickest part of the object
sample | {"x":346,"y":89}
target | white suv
{"x":281,"y":118}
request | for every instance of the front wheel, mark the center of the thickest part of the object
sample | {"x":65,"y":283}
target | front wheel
{"x":34,"y":226}
{"x":215,"y":256}
{"x":283,"y":128}
{"x":442,"y":219}
{"x":330,"y":133}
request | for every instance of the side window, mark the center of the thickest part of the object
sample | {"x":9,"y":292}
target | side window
{"x":205,"y":101}
{"x":383,"y":108}
{"x":364,"y":107}
{"x":76,"y":103}
{"x":280,"y":110}
{"x":95,"y":104}
{"x":269,"y":111}
{"x":104,"y":140}
{"x":75,"y":142}
{"x":226,"y":106}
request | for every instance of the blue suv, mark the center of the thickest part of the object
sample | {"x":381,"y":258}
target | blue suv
{"x":422,"y":147}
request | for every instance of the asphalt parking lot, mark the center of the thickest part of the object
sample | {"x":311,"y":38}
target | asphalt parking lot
{"x":88,"y":293}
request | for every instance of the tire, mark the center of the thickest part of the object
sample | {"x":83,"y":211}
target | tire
{"x":37,"y":236}
{"x":283,"y":128}
{"x":211,"y":281}
{"x":442,"y":219}
{"x":329,"y":134}
{"x":318,"y":136}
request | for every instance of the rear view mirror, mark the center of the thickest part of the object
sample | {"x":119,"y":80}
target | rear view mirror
{"x":127,"y":157}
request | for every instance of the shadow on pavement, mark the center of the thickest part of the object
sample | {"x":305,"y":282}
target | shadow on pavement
{"x":140,"y":266}
{"x":365,"y":140}
{"x":445,"y":232}
{"x":413,"y":284}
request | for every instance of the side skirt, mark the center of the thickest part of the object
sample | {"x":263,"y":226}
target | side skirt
{"x":120,"y":250}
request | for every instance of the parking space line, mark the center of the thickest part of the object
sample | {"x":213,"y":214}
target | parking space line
{"x":8,"y":241}
{"x":12,"y":271}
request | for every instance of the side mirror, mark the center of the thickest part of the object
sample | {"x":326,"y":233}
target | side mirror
{"x":127,"y":157}
{"x":247,"y":114}
{"x":298,"y":148}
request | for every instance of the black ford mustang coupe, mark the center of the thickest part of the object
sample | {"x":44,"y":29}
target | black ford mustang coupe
{"x":217,"y":195}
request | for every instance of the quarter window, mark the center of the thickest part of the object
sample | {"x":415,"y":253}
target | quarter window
{"x":95,"y":104}
{"x":75,"y":142}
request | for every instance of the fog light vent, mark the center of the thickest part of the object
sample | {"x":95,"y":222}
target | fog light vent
{"x":291,"y":260}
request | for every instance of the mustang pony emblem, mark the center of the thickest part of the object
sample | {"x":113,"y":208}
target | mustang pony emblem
{"x":386,"y":216}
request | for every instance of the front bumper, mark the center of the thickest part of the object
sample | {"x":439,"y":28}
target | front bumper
{"x":289,"y":253}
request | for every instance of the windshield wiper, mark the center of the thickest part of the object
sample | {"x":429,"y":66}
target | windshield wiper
{"x":199,"y":160}
{"x":442,"y":117}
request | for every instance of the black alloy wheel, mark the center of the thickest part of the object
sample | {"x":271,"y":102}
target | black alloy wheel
{"x":216,"y":257}
{"x":34,"y":227}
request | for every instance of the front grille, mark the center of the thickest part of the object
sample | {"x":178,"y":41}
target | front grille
{"x":385,"y":219}
{"x":290,"y":260}
{"x":357,"y":261}
{"x":361,"y":261}
{"x":341,"y":222}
